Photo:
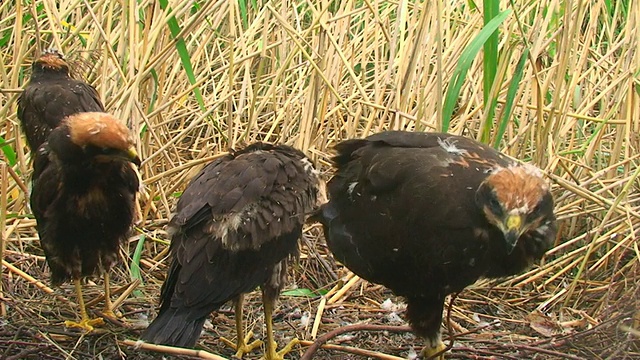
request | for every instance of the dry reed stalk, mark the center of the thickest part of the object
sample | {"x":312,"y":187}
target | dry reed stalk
{"x":354,"y":350}
{"x":36,"y":282}
{"x":350,"y":283}
{"x":200,"y":354}
{"x":4,"y":186}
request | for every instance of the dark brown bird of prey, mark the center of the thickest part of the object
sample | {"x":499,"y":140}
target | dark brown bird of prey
{"x":427,"y":214}
{"x":84,"y":190}
{"x":50,"y":96}
{"x":236,"y":227}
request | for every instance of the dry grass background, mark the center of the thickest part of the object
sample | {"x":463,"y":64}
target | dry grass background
{"x":193,"y":78}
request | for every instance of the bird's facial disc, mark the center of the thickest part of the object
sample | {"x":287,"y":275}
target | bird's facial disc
{"x":515,"y":203}
{"x":512,"y":224}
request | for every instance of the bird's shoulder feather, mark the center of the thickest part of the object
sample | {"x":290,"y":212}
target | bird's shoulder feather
{"x":246,"y":198}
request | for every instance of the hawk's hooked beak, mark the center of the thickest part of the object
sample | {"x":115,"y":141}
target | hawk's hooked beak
{"x":110,"y":154}
{"x":512,"y":229}
{"x":132,"y":155}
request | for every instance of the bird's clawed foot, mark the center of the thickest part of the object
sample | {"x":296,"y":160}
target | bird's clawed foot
{"x":86,"y":324}
{"x":110,"y":314}
{"x":114,"y":318}
{"x":430,"y":350}
{"x":242,"y":347}
{"x":271,"y":353}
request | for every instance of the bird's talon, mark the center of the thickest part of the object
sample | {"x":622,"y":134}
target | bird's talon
{"x":243,"y":347}
{"x":279,"y":355}
{"x":85,"y":324}
{"x":110,"y":314}
{"x":247,"y":348}
{"x":228,"y":342}
{"x":285,"y":350}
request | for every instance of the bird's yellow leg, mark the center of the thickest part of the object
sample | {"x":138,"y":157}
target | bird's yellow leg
{"x":85,"y":323}
{"x":108,"y":305}
{"x":241,"y":345}
{"x":270,"y":352}
{"x":434,"y":346}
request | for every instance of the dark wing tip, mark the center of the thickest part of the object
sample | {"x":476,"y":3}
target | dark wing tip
{"x":345,"y":149}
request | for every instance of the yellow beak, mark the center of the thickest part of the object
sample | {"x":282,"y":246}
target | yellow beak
{"x":513,"y":222}
{"x":512,"y":231}
{"x":133,"y":155}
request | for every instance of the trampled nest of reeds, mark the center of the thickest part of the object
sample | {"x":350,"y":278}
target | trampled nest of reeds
{"x":510,"y":319}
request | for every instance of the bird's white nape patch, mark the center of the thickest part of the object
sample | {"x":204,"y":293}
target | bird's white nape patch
{"x":450,"y":147}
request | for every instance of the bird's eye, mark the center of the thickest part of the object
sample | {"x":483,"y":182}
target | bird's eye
{"x":536,"y":212}
{"x":495,"y":205}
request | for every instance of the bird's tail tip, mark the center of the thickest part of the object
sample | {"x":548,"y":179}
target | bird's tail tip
{"x":173,"y":329}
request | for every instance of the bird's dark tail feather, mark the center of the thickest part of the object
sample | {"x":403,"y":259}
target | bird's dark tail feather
{"x":174,"y":329}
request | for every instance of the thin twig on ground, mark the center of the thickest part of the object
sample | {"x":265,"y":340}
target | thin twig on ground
{"x":308,"y":355}
{"x":172,"y":350}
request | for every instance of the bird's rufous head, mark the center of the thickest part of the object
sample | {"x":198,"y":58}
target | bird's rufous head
{"x":105,"y":135}
{"x":517,"y":200}
{"x":51,"y":60}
